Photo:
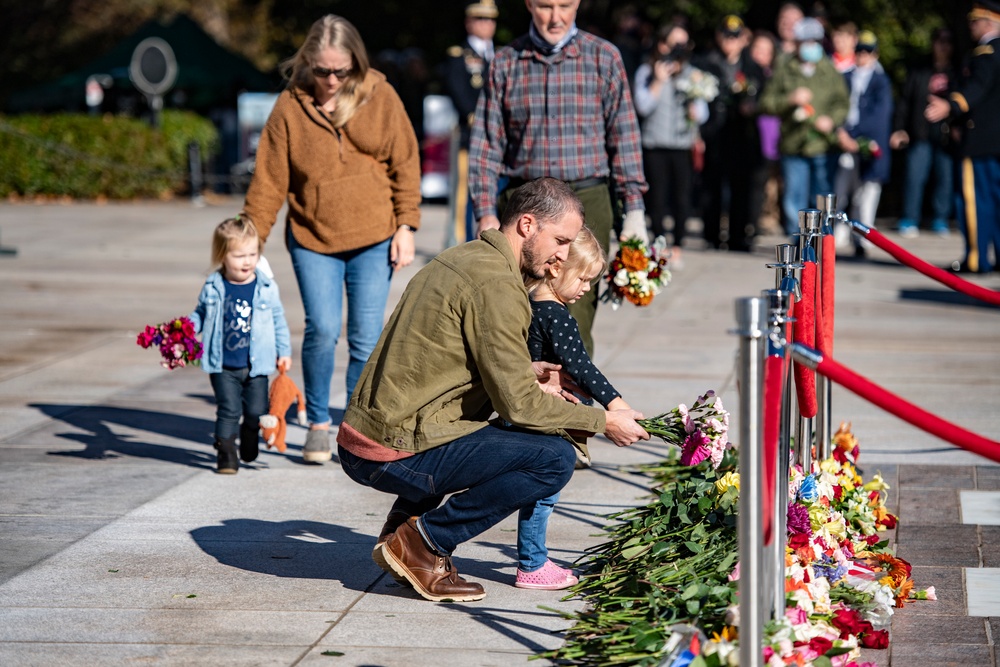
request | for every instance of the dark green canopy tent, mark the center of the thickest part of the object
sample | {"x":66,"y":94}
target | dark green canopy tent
{"x":208,"y":75}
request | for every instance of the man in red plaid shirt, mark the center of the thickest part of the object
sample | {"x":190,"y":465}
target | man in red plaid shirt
{"x":557,"y":103}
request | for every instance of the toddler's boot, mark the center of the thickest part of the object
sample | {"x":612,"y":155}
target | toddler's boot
{"x":249,"y":441}
{"x":227,"y":462}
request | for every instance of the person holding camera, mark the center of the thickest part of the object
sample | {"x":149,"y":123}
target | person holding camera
{"x":669,"y":121}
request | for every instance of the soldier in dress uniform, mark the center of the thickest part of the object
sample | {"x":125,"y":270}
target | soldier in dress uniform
{"x":464,"y":73}
{"x":972,"y":108}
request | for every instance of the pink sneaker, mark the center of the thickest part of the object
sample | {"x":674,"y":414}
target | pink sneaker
{"x":549,"y":577}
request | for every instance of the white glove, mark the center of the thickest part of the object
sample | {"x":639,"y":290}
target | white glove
{"x":634,"y":226}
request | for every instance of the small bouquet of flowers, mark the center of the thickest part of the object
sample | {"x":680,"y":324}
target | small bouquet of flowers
{"x":803,"y":113}
{"x":869,"y":148}
{"x":176,"y":341}
{"x":698,"y":85}
{"x":700,"y":431}
{"x":637,"y":273}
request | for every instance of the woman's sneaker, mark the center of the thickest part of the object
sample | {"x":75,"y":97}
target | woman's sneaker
{"x":549,"y":577}
{"x":317,"y":447}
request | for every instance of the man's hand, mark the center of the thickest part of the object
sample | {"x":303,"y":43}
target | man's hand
{"x":621,"y":428}
{"x":898,"y":139}
{"x":800,"y":97}
{"x":553,"y":381}
{"x":487,"y":222}
{"x":824,"y":124}
{"x":937,"y":109}
{"x":634,"y":226}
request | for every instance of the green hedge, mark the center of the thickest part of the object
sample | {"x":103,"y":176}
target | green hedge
{"x":87,"y":157}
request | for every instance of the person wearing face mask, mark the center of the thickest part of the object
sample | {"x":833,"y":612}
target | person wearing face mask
{"x":811,"y":98}
{"x":864,"y":165}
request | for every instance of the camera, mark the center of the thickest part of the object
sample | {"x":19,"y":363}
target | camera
{"x":678,"y":53}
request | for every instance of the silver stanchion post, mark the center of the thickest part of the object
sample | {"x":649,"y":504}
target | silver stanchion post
{"x":751,"y":313}
{"x":810,"y":224}
{"x":827,"y":203}
{"x":776,"y":344}
{"x":785,"y":280}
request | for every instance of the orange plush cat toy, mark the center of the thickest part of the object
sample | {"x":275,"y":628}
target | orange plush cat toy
{"x":283,"y":394}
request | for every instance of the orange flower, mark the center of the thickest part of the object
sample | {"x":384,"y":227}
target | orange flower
{"x":641,"y":299}
{"x":634,"y":259}
{"x":844,"y":439}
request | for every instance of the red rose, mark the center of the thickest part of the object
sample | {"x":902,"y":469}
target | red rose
{"x":875,"y":639}
{"x":849,"y":622}
{"x":820,"y":644}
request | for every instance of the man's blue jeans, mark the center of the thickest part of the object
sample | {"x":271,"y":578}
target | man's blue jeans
{"x":492,"y":473}
{"x":364,"y":275}
{"x":805,"y":177}
{"x":532,"y":527}
{"x":923,"y":158}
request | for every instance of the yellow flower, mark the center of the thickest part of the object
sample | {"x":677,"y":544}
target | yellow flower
{"x":876,"y":483}
{"x":730,"y":479}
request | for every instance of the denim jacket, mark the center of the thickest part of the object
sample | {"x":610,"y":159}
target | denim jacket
{"x":269,"y":335}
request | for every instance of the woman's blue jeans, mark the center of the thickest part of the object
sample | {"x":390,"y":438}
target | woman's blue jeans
{"x":922,"y":159}
{"x":805,"y":177}
{"x":362,"y":274}
{"x":492,"y":473}
{"x":532,"y":526}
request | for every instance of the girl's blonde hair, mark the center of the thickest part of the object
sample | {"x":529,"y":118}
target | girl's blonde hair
{"x":585,"y":257}
{"x":331,"y":32}
{"x":234,"y":230}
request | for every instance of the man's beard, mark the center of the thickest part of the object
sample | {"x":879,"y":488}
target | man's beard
{"x":529,"y":261}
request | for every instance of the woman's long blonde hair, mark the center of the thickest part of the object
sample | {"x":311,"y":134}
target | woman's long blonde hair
{"x":335,"y":32}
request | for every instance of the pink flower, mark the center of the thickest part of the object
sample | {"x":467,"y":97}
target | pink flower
{"x":695,"y":449}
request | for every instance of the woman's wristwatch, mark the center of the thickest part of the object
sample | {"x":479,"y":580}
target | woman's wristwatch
{"x":408,"y":228}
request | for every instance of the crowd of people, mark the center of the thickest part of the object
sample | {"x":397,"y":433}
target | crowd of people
{"x":476,"y":398}
{"x":744,"y":131}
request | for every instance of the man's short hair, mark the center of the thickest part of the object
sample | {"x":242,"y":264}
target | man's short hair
{"x":545,"y":198}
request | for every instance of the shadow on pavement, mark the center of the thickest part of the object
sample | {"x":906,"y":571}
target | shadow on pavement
{"x":102,"y":442}
{"x":294,"y":549}
{"x":943,"y":296}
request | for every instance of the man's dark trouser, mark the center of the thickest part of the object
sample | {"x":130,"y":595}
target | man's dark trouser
{"x":493,"y":473}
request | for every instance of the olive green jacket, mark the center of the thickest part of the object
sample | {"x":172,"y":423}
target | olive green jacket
{"x":453,"y":351}
{"x":830,"y":98}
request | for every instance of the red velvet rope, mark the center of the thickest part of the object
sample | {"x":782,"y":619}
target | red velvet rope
{"x":931,"y":271}
{"x":805,"y":332}
{"x":824,"y":337}
{"x":907,"y":411}
{"x":774,"y":382}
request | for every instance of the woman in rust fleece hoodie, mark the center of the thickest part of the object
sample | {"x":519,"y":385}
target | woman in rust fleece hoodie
{"x":339,"y":148}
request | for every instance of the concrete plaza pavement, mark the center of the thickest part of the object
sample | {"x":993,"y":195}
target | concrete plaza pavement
{"x":120,"y":545}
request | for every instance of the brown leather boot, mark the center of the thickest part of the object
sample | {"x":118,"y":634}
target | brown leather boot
{"x":434,"y":577}
{"x":393,"y":520}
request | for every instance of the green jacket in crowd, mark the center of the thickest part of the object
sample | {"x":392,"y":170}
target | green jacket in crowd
{"x":830,"y":98}
{"x":454,"y":350}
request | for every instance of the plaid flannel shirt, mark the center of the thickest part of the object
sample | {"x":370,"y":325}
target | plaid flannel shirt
{"x":568,"y":116}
